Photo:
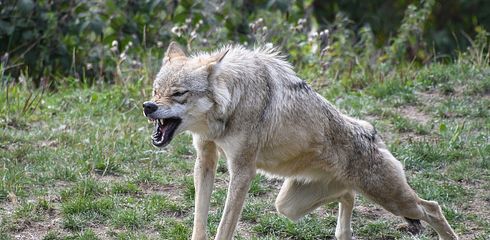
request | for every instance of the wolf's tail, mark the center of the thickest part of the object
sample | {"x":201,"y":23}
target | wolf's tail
{"x":414,"y":226}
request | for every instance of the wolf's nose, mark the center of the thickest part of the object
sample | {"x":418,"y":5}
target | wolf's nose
{"x":149,"y":107}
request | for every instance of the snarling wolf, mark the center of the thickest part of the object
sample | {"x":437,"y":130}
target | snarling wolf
{"x":250,"y":105}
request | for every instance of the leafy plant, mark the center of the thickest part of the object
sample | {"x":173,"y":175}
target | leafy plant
{"x":478,"y":53}
{"x":409,"y":37}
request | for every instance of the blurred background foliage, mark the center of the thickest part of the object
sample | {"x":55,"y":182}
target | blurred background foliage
{"x":52,"y":43}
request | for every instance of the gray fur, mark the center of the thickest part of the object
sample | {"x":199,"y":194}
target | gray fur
{"x":252,"y":106}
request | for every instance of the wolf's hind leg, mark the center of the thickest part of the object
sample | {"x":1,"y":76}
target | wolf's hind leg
{"x":389,"y":188}
{"x":433,"y":215}
{"x":298,"y":198}
{"x":428,"y":211}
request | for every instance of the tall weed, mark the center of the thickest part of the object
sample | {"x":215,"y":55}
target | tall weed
{"x":18,"y":102}
{"x":409,"y":39}
{"x":478,"y":54}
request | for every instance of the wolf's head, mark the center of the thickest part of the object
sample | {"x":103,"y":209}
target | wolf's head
{"x":181,"y":94}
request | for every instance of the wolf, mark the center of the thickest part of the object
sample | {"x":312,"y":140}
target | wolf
{"x":251,"y":106}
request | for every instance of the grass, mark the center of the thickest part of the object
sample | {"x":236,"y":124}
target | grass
{"x":78,"y":164}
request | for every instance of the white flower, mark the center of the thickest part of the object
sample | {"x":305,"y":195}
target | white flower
{"x":177,"y":31}
{"x":122,"y":56}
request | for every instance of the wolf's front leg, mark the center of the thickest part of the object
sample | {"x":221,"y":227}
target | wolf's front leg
{"x":242,"y":171}
{"x":204,"y":172}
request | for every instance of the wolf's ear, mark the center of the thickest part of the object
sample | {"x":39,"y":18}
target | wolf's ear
{"x":173,"y":52}
{"x":216,"y":59}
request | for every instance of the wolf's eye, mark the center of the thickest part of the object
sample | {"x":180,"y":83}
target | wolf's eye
{"x":178,"y":94}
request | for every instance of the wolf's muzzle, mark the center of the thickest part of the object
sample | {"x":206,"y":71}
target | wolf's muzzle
{"x":149,"y":107}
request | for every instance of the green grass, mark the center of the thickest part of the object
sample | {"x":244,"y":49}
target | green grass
{"x":83,"y":160}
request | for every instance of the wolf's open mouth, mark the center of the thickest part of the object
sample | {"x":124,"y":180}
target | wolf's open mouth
{"x":164,"y":131}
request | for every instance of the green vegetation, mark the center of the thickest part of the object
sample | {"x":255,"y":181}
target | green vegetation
{"x":81,"y":164}
{"x":94,"y":41}
{"x":76,"y":160}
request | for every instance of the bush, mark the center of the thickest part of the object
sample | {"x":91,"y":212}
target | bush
{"x":118,"y":40}
{"x":60,"y":38}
